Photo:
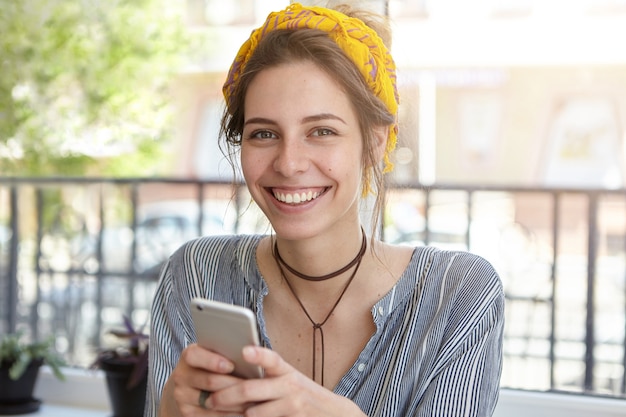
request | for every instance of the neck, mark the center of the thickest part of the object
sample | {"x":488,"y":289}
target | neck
{"x":356,"y":260}
{"x":322,"y":259}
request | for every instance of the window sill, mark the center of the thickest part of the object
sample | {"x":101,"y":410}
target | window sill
{"x":82,"y":390}
{"x":51,"y":410}
{"x":84,"y":394}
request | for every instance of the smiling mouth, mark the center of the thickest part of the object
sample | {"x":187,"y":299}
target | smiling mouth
{"x":297,"y":198}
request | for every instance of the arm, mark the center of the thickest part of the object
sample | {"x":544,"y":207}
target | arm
{"x":466,"y":380}
{"x":166,"y":344}
{"x":178,"y":372}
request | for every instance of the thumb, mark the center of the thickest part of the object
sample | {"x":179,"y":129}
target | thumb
{"x":270,"y":361}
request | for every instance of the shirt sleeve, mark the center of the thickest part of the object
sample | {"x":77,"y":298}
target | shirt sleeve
{"x":190,"y":272}
{"x":466,"y":379}
{"x":167,"y":339}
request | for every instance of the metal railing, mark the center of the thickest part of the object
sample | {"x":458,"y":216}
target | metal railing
{"x":77,"y":254}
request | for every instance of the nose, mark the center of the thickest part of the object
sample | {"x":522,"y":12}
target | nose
{"x":291,"y":158}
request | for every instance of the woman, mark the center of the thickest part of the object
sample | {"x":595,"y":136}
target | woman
{"x":350,"y":326}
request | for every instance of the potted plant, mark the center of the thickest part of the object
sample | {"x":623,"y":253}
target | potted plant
{"x":126,"y":371}
{"x":19,"y":368}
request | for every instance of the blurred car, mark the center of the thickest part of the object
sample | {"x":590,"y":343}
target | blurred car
{"x":161,"y":229}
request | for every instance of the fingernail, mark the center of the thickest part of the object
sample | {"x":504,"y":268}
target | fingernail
{"x":249,"y":352}
{"x":226,"y":366}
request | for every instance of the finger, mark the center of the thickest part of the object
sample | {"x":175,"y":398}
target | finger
{"x":200,"y":379}
{"x":272,"y":396}
{"x":270,"y":361}
{"x":191,"y":401}
{"x":198,"y":357}
{"x":202,"y":399}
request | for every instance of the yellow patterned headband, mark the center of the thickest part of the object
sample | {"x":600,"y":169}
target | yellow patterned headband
{"x":358,"y":41}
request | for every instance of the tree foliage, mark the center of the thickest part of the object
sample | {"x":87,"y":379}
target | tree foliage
{"x":85,"y":85}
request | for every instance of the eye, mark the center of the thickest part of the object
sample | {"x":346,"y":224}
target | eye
{"x":262,"y":134}
{"x":323,"y":131}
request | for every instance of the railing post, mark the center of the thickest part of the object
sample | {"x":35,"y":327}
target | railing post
{"x":426,"y":216}
{"x":553,"y":271}
{"x":623,"y":387}
{"x":13,"y":262}
{"x":470,"y":209}
{"x":100,"y":271}
{"x":200,"y":202}
{"x":591,"y":272}
{"x":134,"y":198}
{"x":39,"y":209}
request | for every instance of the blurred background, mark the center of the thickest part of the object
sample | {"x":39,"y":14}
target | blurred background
{"x":511,"y":145}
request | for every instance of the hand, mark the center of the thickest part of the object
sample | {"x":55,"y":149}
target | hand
{"x":199,"y":370}
{"x":283,"y":392}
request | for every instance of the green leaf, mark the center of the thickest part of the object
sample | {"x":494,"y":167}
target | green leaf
{"x":19,"y":366}
{"x":78,"y":77}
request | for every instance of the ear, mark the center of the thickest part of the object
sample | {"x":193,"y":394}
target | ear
{"x":381,"y":135}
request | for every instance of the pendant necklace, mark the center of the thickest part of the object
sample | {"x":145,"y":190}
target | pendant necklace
{"x":356,"y":263}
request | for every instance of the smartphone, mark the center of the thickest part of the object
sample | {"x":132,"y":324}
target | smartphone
{"x":226,"y":329}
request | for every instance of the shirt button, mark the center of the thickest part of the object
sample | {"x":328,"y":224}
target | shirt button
{"x":381,"y":311}
{"x":361,"y":367}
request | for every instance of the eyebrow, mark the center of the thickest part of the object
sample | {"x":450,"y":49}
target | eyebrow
{"x":259,"y":120}
{"x":323,"y":116}
{"x":313,"y":118}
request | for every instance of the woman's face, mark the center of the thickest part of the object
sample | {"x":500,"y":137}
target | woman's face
{"x":301,"y":151}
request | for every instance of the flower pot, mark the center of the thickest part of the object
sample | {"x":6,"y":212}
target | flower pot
{"x":125,"y":401}
{"x":16,"y":396}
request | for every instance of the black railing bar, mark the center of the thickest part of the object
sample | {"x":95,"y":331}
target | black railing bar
{"x":104,"y":273}
{"x":469,"y":213}
{"x":532,"y":355}
{"x":623,"y":387}
{"x":574,"y":394}
{"x":523,"y":337}
{"x":134,"y":197}
{"x":12,"y":288}
{"x":527,"y":298}
{"x":39,"y":209}
{"x":511,"y":188}
{"x":200,"y":203}
{"x":426,"y":216}
{"x":508,"y":188}
{"x":555,"y":252}
{"x":591,"y":269}
{"x":99,"y":276}
{"x":107,"y":180}
{"x":391,"y":186}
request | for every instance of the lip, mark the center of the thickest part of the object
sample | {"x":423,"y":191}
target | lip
{"x":296,"y":197}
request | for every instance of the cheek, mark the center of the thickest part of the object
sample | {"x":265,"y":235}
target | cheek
{"x":249,"y":165}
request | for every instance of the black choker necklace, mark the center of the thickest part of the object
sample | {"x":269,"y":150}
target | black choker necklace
{"x":338,"y":272}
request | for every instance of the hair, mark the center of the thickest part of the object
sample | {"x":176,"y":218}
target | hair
{"x":287,"y":46}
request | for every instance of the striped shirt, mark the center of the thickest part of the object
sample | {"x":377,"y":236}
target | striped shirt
{"x":436,"y":351}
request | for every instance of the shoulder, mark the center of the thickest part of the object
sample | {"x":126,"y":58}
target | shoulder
{"x":199,"y":263}
{"x":459,"y":292}
{"x":219,"y":248}
{"x":456,"y":267}
{"x":458,"y":280}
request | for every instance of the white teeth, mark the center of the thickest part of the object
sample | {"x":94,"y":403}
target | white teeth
{"x":296,"y":198}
